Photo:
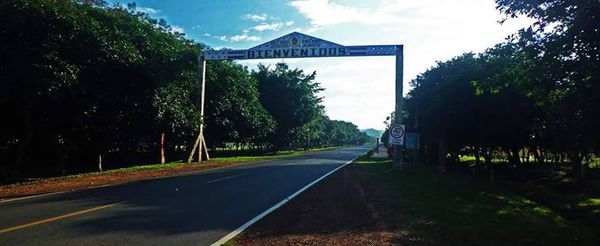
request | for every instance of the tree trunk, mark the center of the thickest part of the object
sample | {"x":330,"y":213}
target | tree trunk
{"x":477,"y":156}
{"x":20,"y":155}
{"x":3,"y":175}
{"x":577,"y":167}
{"x":61,"y":155}
{"x":538,"y":156}
{"x":162,"y":148}
{"x":100,"y":162}
{"x":515,"y":156}
{"x":442,"y":153}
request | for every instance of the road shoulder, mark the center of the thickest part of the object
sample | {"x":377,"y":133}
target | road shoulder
{"x":132,"y":174}
{"x":369,"y":203}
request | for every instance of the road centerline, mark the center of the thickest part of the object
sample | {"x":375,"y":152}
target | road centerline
{"x":64,"y":216}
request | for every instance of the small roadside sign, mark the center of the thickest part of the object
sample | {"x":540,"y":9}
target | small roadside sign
{"x":413,"y":141}
{"x":397,"y":133}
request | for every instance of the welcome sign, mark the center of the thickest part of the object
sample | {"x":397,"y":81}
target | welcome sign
{"x":298,"y":45}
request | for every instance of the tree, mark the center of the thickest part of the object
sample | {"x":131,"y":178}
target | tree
{"x":235,"y":113}
{"x":290,"y":96}
{"x":563,"y":42}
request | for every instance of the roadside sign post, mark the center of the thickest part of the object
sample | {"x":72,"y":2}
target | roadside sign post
{"x":397,"y":134}
{"x":298,"y":45}
{"x":398,"y":153}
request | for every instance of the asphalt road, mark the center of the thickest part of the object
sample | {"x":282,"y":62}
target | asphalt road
{"x":196,"y":209}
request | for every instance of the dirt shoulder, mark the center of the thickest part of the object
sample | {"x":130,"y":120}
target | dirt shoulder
{"x":369,"y":203}
{"x":84,"y":181}
{"x":340,"y":210}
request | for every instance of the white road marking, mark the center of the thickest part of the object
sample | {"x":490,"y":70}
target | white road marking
{"x":226,"y":178}
{"x":245,"y":226}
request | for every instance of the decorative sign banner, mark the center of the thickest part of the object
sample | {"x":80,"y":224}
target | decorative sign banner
{"x":397,"y":133}
{"x":298,"y":45}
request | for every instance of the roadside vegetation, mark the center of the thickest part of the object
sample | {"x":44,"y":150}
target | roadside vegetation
{"x":371,"y":203}
{"x":524,"y":116}
{"x":531,"y":102}
{"x":524,"y":111}
{"x":88,"y":85}
{"x":455,"y":209}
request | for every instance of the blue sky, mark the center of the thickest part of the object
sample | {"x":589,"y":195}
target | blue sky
{"x":360,"y":90}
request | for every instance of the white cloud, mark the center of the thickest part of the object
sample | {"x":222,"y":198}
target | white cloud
{"x":289,"y":23}
{"x":256,"y":17}
{"x":361,"y":90}
{"x":273,"y":27}
{"x":325,"y":13}
{"x":148,"y":10}
{"x":244,"y":37}
{"x":322,"y":13}
{"x":178,"y":29}
{"x":238,"y":38}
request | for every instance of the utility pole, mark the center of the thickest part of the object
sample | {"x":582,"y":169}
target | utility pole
{"x":398,"y":153}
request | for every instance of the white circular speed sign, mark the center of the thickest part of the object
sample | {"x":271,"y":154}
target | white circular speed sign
{"x":397,"y":131}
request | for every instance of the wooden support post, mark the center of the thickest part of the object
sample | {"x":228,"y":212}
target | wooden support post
{"x":205,"y":149}
{"x":200,"y":139}
{"x":398,"y":153}
{"x":191,"y":157}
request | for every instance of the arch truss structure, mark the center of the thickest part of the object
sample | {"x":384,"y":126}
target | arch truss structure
{"x":298,"y":45}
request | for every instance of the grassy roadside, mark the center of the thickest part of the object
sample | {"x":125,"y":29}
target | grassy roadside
{"x":552,"y":186}
{"x":230,"y":160}
{"x":134,"y":173}
{"x":457,"y":210}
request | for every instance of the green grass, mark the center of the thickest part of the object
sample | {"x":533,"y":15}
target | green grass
{"x":278,"y":155}
{"x":471,"y":159}
{"x":454,"y":209}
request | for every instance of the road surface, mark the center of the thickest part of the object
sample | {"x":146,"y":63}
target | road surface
{"x":195,"y":209}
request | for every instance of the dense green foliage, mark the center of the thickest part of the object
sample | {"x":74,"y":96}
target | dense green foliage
{"x":535,"y":97}
{"x":83,"y":81}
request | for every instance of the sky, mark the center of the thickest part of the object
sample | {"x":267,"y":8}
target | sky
{"x":357,"y":89}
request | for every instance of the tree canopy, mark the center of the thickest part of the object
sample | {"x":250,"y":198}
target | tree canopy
{"x":535,"y":94}
{"x":86,"y":80}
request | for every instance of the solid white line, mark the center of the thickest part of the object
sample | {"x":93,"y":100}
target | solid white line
{"x":226,"y":178}
{"x":276,"y":206}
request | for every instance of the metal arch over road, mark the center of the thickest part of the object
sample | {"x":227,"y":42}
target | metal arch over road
{"x":298,"y":45}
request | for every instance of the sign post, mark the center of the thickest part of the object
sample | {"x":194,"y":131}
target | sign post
{"x":398,"y":153}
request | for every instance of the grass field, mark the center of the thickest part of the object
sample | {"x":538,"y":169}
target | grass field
{"x":455,"y":209}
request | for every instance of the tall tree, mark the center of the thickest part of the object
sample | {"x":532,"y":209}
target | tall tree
{"x":290,"y":96}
